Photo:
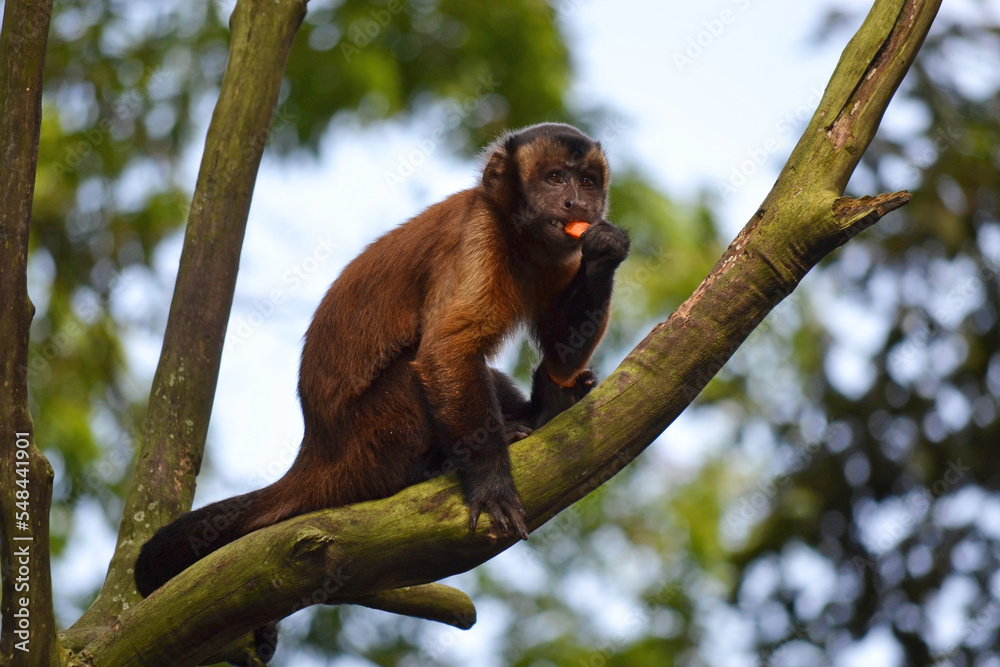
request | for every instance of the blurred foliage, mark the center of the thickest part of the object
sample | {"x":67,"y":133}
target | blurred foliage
{"x":487,"y":66}
{"x":884,"y":483}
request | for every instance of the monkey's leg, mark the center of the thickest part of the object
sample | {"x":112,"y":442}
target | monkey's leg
{"x":518,"y":421}
{"x":518,"y":413}
{"x":463,"y":395}
{"x":371,"y":446}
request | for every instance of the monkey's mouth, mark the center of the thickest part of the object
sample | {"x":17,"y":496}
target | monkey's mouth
{"x":573,"y":228}
{"x":561,"y":224}
{"x":556,"y":230}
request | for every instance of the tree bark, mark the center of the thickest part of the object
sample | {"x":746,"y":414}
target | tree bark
{"x":28,"y":635}
{"x":421,"y":534}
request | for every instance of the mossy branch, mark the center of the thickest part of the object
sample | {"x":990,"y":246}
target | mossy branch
{"x":431,"y":602}
{"x":421,"y":534}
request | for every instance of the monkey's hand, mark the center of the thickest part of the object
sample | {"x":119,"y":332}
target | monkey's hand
{"x":494,"y":491}
{"x":585,"y":381}
{"x":549,"y":398}
{"x":604,"y":248}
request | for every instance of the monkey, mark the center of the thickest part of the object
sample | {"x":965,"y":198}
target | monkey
{"x":394,"y":382}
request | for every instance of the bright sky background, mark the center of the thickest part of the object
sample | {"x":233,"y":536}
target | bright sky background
{"x":742,"y":100}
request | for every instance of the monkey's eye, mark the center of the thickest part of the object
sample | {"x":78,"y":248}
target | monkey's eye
{"x":587,"y":182}
{"x":554,"y":177}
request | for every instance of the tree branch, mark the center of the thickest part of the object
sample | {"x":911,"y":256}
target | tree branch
{"x":183,"y":390}
{"x":432,"y":602}
{"x":421,"y":534}
{"x":28,"y":636}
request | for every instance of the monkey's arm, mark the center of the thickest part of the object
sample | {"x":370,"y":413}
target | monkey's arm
{"x":570,"y":328}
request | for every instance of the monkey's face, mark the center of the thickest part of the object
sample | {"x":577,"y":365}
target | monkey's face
{"x":543,"y":177}
{"x":563,"y":187}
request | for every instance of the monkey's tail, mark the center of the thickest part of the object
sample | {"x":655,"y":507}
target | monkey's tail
{"x":194,"y":535}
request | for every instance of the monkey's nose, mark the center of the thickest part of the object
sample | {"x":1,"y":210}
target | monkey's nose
{"x":575,"y":205}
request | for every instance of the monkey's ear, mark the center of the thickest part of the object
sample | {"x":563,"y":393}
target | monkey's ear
{"x":500,"y":176}
{"x":497,"y":175}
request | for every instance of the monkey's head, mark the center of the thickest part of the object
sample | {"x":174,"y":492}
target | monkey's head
{"x":544,"y":176}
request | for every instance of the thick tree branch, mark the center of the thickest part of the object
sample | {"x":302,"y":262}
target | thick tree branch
{"x":180,"y":402}
{"x":432,"y":602}
{"x":421,"y":535}
{"x":28,"y":636}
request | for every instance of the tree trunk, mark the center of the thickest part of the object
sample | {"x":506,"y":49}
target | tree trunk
{"x":28,"y":635}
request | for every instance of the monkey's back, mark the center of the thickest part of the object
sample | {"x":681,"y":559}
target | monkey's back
{"x":372,"y":313}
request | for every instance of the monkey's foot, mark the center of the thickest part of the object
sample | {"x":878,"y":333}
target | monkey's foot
{"x":507,"y":517}
{"x":514,"y":431}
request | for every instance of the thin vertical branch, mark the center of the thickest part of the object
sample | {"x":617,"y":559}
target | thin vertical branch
{"x":28,"y":635}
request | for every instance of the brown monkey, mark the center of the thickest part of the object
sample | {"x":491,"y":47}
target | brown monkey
{"x":394,"y":381}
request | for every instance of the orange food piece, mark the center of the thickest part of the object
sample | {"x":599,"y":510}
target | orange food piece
{"x":576,"y":228}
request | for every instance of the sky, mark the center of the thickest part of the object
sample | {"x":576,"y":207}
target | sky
{"x":700,"y":96}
